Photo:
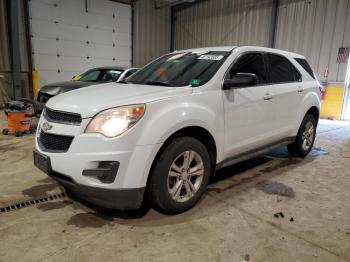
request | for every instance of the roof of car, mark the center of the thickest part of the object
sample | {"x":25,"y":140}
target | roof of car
{"x":231,"y":48}
{"x":208,"y":49}
{"x":112,"y":68}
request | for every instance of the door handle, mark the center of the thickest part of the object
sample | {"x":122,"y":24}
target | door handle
{"x":300,"y":89}
{"x":267,"y":96}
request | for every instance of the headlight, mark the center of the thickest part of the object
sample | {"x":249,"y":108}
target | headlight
{"x":115,"y":121}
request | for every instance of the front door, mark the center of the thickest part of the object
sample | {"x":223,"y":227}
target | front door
{"x":249,"y":116}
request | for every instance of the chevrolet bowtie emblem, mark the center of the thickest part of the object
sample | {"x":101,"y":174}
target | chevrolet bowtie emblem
{"x":46,"y":126}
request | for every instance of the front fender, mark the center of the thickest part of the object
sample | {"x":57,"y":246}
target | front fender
{"x":163,"y":118}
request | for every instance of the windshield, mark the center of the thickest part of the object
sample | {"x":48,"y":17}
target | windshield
{"x":180,"y":69}
{"x":100,"y":75}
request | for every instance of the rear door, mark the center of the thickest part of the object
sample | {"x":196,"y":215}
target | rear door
{"x":249,"y":111}
{"x":288,"y":93}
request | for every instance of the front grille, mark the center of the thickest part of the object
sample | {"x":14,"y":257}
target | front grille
{"x":54,"y":143}
{"x":62,"y":117}
{"x":43,"y":97}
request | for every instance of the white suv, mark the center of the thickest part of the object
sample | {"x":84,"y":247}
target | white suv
{"x":183,"y":116}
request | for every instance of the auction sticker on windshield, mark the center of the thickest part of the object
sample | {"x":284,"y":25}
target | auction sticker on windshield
{"x":211,"y":57}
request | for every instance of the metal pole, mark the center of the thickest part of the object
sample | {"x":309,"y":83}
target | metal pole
{"x":132,"y":33}
{"x":15,"y":47}
{"x":274,"y":21}
{"x":172,"y":28}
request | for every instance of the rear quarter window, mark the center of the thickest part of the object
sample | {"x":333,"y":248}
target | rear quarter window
{"x":306,"y":66}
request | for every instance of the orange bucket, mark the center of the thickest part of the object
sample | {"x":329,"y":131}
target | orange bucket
{"x":18,"y":122}
{"x":19,"y":114}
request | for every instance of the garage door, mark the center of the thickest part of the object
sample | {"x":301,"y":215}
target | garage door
{"x":69,"y":37}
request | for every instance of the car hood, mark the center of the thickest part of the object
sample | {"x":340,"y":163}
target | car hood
{"x":90,"y":100}
{"x":62,"y":87}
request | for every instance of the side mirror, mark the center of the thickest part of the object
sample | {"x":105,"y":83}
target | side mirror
{"x":240,"y":80}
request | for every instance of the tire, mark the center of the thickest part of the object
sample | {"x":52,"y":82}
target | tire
{"x":5,"y":132}
{"x":18,"y":134}
{"x":165,"y":179}
{"x":298,"y":148}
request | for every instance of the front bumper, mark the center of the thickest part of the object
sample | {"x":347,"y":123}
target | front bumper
{"x":122,"y":199}
{"x":87,"y":152}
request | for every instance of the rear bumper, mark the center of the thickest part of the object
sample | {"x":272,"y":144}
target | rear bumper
{"x":121,"y":199}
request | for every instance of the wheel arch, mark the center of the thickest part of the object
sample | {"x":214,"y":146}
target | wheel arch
{"x":197,"y":132}
{"x":309,"y":105}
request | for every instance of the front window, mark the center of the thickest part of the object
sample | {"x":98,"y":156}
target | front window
{"x":180,"y":69}
{"x":251,"y":63}
{"x":101,"y":75}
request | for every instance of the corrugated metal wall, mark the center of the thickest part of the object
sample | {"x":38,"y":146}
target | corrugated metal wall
{"x":223,"y":22}
{"x":151,"y":32}
{"x":316,"y":29}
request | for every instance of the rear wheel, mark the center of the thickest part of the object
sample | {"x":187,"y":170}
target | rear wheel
{"x":180,"y":176}
{"x":305,"y":139}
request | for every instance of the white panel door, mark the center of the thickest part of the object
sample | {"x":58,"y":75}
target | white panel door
{"x":69,"y":38}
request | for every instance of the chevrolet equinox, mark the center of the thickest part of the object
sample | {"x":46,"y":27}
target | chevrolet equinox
{"x":161,"y":134}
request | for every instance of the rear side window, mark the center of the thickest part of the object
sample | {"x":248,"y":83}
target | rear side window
{"x":282,"y":70}
{"x":252,"y":63}
{"x":306,"y":66}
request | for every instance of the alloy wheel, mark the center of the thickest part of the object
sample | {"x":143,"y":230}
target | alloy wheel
{"x":308,"y":136}
{"x":185,"y":176}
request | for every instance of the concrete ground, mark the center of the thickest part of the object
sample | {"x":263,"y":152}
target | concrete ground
{"x":233,"y":222}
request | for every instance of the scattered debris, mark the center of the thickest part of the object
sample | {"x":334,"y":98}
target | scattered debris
{"x":279,"y":214}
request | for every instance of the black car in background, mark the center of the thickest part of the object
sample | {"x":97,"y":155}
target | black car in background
{"x":91,"y":77}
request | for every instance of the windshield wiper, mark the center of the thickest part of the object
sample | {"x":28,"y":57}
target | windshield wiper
{"x":158,"y":83}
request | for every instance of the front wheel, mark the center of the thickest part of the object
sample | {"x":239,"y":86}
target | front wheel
{"x":305,"y":139}
{"x":180,"y":176}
